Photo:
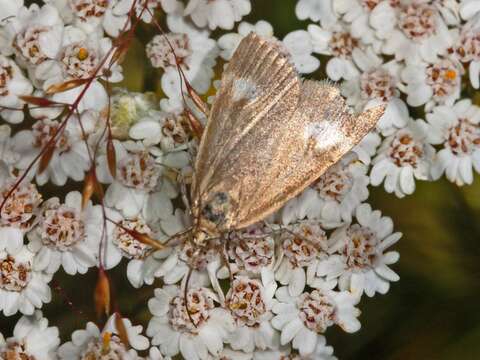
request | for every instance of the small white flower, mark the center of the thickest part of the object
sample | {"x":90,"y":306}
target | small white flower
{"x":34,"y":36}
{"x":92,"y":343}
{"x":357,"y":13}
{"x":8,"y":157}
{"x":402,"y":158}
{"x":21,"y":287}
{"x":412,"y":31}
{"x":170,"y":131}
{"x":457,"y":129}
{"x":467,"y":50}
{"x":357,"y":255}
{"x":229,"y":42}
{"x":138,"y":179}
{"x":301,"y":247}
{"x":251,"y":249}
{"x":303,"y":319}
{"x":250,"y":302}
{"x":196,"y":54}
{"x":32,"y":339}
{"x":19,"y":212}
{"x":217,"y":13}
{"x":172,"y":329}
{"x":334,"y":196}
{"x":439,"y":82}
{"x":12,"y":85}
{"x":67,"y":235}
{"x":377,"y":83}
{"x":317,"y":11}
{"x":142,"y":266}
{"x":70,"y":157}
{"x":299,"y":45}
{"x":338,"y":43}
{"x":78,"y":59}
{"x":94,"y":15}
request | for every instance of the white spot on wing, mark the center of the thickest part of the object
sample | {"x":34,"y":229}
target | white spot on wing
{"x":244,"y":89}
{"x":325,"y":135}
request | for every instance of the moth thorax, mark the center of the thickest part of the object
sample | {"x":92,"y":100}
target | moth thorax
{"x":199,"y":237}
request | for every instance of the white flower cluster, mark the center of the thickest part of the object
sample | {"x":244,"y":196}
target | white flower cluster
{"x":410,"y":55}
{"x":275,"y":288}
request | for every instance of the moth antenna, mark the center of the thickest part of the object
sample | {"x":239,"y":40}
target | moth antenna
{"x":197,"y":100}
{"x":284,"y":228}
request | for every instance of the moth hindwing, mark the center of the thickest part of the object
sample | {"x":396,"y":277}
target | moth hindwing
{"x":269,"y":135}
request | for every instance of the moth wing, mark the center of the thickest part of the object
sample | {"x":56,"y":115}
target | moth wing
{"x":318,"y":134}
{"x":280,"y":156}
{"x":258,"y":84}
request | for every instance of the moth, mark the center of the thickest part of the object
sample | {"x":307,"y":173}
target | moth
{"x":268,"y":136}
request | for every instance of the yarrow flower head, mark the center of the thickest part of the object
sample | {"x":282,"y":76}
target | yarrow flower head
{"x":196,"y":54}
{"x":217,"y":13}
{"x":34,"y":35}
{"x":13,"y":84}
{"x":250,"y":302}
{"x":457,"y":130}
{"x":302,"y":247}
{"x":467,"y":50}
{"x":201,"y":330}
{"x":93,"y":343}
{"x":416,"y":30}
{"x":304,"y":319}
{"x":252,"y":249}
{"x":432,"y":83}
{"x":402,"y":158}
{"x":357,"y":257}
{"x":70,"y":157}
{"x":22,"y":288}
{"x":67,"y":235}
{"x":32,"y":339}
{"x":334,"y":196}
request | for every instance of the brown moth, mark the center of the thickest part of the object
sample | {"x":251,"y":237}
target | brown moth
{"x":269,"y":135}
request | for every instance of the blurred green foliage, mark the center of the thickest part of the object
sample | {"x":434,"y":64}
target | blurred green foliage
{"x":432,"y":313}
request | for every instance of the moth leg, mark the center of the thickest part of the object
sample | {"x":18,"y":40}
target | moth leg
{"x":195,"y":124}
{"x":212,"y":271}
{"x":184,"y":194}
{"x":197,"y":100}
{"x":226,"y":249}
{"x":185,"y":296}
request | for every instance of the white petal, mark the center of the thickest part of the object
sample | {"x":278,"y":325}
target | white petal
{"x":297,"y":282}
{"x":290,"y":331}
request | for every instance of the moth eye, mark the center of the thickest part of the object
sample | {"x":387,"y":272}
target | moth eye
{"x":212,"y":215}
{"x":221,"y":198}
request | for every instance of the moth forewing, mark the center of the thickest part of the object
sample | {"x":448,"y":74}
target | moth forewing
{"x":258,"y":84}
{"x":269,"y":136}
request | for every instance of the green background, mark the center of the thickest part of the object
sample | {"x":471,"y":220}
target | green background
{"x":431,"y":313}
